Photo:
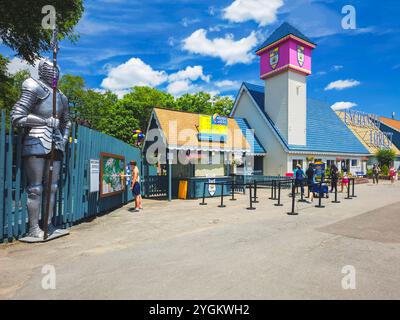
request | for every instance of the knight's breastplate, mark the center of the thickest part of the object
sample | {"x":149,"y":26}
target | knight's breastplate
{"x":44,"y":134}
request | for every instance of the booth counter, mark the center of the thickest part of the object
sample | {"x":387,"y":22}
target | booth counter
{"x":195,"y":186}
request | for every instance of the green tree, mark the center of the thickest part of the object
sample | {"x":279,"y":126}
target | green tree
{"x":10,"y":85}
{"x":141,"y":101}
{"x":98,"y":109}
{"x":222,"y":105}
{"x":198,"y":102}
{"x":21,"y":25}
{"x":385,"y":156}
{"x":74,"y":89}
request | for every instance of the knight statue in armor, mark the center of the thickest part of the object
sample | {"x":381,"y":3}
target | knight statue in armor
{"x":34,"y":113}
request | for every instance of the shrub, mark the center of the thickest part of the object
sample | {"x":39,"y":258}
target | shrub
{"x":385,"y":157}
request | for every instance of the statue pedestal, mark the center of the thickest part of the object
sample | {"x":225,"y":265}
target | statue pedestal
{"x":60,"y":233}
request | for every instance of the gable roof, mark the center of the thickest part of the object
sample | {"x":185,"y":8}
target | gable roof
{"x":394,"y":124}
{"x":363,"y":134}
{"x":284,"y":30}
{"x":324,"y":128}
{"x":182,"y":122}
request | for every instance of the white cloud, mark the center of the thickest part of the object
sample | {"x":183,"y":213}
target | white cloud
{"x":132,"y":73}
{"x":227,"y":49}
{"x":178,"y":87}
{"x":135,"y":72}
{"x":262,"y":11}
{"x":343,"y":105}
{"x":190,"y":73}
{"x":342,"y":84}
{"x":227,"y":84}
{"x":17,"y":64}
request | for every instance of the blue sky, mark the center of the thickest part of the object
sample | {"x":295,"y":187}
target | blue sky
{"x":184,"y":46}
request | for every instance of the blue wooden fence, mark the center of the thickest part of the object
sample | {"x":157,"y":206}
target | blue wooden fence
{"x":75,"y":201}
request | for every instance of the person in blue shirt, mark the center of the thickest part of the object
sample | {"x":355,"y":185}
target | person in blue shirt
{"x":299,"y":178}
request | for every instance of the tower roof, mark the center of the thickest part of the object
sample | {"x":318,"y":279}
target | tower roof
{"x":284,"y":30}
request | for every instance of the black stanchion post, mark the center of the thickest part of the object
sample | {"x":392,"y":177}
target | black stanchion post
{"x":336,"y":200}
{"x":320,"y":195}
{"x":302,"y":196}
{"x":251,"y":198}
{"x":255,"y":192}
{"x":233,"y":191}
{"x":272,"y":190}
{"x":352,"y":192}
{"x":203,"y":203}
{"x":275,"y":187}
{"x":348,"y":191}
{"x":293,"y":213}
{"x":222,"y":196}
{"x":279,"y":204}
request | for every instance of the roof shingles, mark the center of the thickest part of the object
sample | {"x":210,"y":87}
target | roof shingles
{"x":325,"y":131}
{"x":284,"y":30}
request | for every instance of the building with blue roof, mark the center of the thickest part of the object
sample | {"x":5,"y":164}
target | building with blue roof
{"x":292,"y":128}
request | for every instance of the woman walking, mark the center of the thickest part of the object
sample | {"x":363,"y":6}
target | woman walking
{"x":392,"y":174}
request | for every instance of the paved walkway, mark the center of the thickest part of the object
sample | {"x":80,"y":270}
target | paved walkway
{"x":181,"y":250}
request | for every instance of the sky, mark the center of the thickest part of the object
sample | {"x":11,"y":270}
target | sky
{"x":184,"y":46}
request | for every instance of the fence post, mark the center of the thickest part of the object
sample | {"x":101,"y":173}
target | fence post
{"x":352,"y":192}
{"x":336,"y":200}
{"x":320,"y":194}
{"x":233,"y":191}
{"x":203,"y":203}
{"x":251,"y":198}
{"x":348,"y":191}
{"x":279,"y":204}
{"x":17,"y":213}
{"x":293,"y":213}
{"x":9,"y":200}
{"x":255,"y":192}
{"x":222,"y":196}
{"x":2,"y":170}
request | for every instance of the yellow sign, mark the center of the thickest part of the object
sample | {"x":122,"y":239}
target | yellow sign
{"x":212,"y":126}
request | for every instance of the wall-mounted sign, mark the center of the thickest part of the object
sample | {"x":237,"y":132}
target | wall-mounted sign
{"x":377,"y":138}
{"x":213,"y":128}
{"x":380,"y":139}
{"x":94,"y":169}
{"x":274,"y":57}
{"x":112,"y":172}
{"x":361,"y":119}
{"x":300,"y":55}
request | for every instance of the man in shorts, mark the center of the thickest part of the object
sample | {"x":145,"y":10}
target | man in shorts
{"x":135,"y":186}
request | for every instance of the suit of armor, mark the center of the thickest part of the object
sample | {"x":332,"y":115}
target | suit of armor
{"x":34,"y":112}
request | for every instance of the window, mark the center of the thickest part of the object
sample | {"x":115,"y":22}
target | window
{"x":296,"y":162}
{"x":329,"y":163}
{"x":354,"y":163}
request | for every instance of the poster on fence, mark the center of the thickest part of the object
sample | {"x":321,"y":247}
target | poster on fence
{"x":112,"y":172}
{"x":94,"y":169}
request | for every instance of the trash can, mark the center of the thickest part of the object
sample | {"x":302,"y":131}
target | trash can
{"x":182,"y":191}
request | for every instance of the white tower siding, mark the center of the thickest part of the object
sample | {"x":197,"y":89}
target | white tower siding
{"x":286,"y":105}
